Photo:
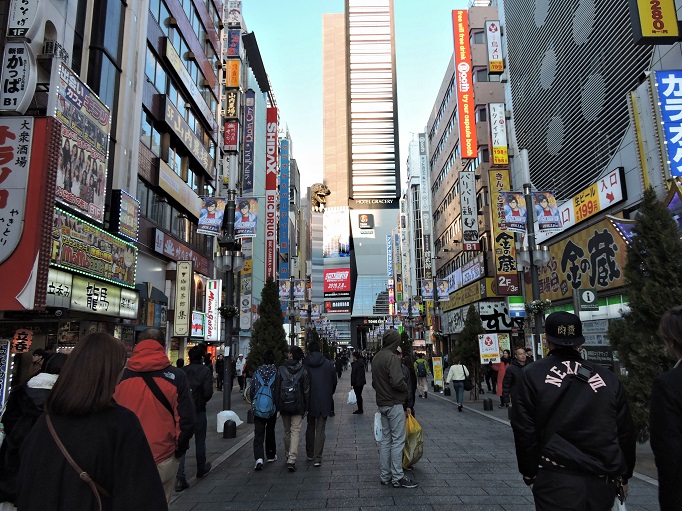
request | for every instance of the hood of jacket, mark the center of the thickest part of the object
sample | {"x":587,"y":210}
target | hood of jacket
{"x":315,"y":359}
{"x":293,"y":366}
{"x":391,"y":340}
{"x":147,"y":356}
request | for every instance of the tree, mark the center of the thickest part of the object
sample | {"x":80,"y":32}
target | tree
{"x":653,"y":271}
{"x":268,"y":330}
{"x":467,"y":345}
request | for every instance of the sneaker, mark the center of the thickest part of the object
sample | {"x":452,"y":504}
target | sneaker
{"x":317,"y":464}
{"x":271,"y":460}
{"x":501,"y":406}
{"x":207,"y":469}
{"x":459,"y":408}
{"x":259,"y":464}
{"x":385,"y":482}
{"x":181,"y":485}
{"x":425,"y":395}
{"x":405,"y":482}
{"x":356,"y":412}
{"x":310,"y":458}
{"x":291,"y":467}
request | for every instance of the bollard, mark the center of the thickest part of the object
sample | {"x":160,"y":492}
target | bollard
{"x":249,"y":416}
{"x":487,"y":404}
{"x":446,"y":391}
{"x":230,"y":429}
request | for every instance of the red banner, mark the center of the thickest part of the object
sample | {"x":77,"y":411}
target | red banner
{"x":271,"y":160}
{"x":337,"y":282}
{"x":465,"y":85}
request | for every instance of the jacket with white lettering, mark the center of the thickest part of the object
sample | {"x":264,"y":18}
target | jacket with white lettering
{"x":580,"y":426}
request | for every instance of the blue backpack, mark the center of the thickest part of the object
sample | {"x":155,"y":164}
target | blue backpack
{"x":263,"y":404}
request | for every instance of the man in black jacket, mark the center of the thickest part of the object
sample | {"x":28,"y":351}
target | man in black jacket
{"x":572,"y":426}
{"x":322,"y":387}
{"x":200,"y":379}
{"x":513,"y":374}
{"x":357,"y":379}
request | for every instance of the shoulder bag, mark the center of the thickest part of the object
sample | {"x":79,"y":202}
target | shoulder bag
{"x":467,"y":379}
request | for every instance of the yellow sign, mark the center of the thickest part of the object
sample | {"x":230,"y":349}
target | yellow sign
{"x":438,"y":371}
{"x":470,"y":294}
{"x":657,"y":19}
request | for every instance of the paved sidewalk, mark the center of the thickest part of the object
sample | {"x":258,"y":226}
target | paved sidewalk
{"x":469,"y":463}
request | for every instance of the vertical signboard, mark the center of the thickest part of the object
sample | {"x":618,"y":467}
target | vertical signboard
{"x":498,"y":135}
{"x":213,"y":301}
{"x":18,"y":78}
{"x":506,"y":274}
{"x":465,"y":89}
{"x":183,"y":291}
{"x":5,"y":360}
{"x":467,"y":188}
{"x":494,"y":44}
{"x":284,"y":269}
{"x":249,"y":139}
{"x":669,"y":87}
{"x":271,"y":172}
{"x":389,"y":256}
{"x":425,"y":204}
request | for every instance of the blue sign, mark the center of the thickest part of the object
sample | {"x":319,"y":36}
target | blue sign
{"x":249,"y":139}
{"x":669,"y":84}
{"x":284,"y":270}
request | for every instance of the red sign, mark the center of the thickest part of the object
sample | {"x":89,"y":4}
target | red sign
{"x":337,"y":307}
{"x":465,"y":86}
{"x":22,"y":340}
{"x":271,"y":160}
{"x":231,"y":136}
{"x":337,"y":282}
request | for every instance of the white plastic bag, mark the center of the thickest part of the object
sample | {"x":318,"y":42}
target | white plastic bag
{"x":351,"y":397}
{"x":377,"y":427}
{"x":618,"y":506}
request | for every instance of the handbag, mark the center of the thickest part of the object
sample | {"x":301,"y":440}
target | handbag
{"x":467,"y":380}
{"x":96,"y":488}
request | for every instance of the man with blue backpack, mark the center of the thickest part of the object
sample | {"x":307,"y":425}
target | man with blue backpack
{"x":263,"y":404}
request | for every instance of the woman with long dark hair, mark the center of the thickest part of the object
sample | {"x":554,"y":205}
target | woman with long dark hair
{"x":102,"y":438}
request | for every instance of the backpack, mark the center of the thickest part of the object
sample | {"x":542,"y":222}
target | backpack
{"x":263,"y":404}
{"x":196,"y":389}
{"x":290,"y":393}
{"x":421,"y":369}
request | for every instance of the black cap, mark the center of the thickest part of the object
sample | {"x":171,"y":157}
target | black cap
{"x":564,"y":329}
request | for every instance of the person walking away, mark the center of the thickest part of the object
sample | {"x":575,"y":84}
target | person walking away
{"x":292,"y":388}
{"x":491,"y":378}
{"x":501,"y":368}
{"x":408,"y":370}
{"x":322,"y":387}
{"x":457,"y":374}
{"x":240,"y":371}
{"x":338,"y":364}
{"x":103,"y":438}
{"x":513,"y":375}
{"x":574,"y":435}
{"x":24,"y":406}
{"x":219,"y":371}
{"x":421,"y":367}
{"x":264,"y":407}
{"x":200,"y":380}
{"x":666,"y":415}
{"x":391,"y":393}
{"x":159,"y":395}
{"x":357,"y":378}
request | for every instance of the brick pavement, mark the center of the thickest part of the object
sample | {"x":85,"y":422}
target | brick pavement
{"x":468,"y":464}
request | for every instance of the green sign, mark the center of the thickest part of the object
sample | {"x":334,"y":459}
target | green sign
{"x":588,"y":299}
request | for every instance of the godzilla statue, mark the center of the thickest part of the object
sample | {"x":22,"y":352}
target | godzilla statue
{"x":318,"y":196}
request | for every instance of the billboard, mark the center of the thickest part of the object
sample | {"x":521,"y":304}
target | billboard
{"x":506,"y":273}
{"x":213,"y":301}
{"x":669,"y":92}
{"x":211,"y":216}
{"x":284,"y":207}
{"x":284,"y":290}
{"x":469,"y":208}
{"x":465,"y":87}
{"x":336,"y":232}
{"x":249,"y":138}
{"x":246,"y":218}
{"x":271,"y":171}
{"x":515,"y":214}
{"x":493,"y":36}
{"x":654,"y":22}
{"x":125,"y":214}
{"x":337,"y":283}
{"x":498,"y":135}
{"x":546,"y":212}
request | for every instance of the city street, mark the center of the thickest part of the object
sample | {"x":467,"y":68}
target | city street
{"x":468,"y":464}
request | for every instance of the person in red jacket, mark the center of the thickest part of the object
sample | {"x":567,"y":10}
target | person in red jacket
{"x":159,"y":395}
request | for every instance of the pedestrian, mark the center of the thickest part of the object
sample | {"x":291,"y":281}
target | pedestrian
{"x":338,"y":364}
{"x":148,"y":387}
{"x":421,"y":367}
{"x":666,"y":415}
{"x":574,"y":435}
{"x":208,"y":361}
{"x":292,"y":390}
{"x":391,"y":393}
{"x":529,"y":356}
{"x":357,"y":379}
{"x":513,"y":374}
{"x":457,"y":374}
{"x":219,"y":371}
{"x":501,"y":368}
{"x":180,"y":363}
{"x":37,"y":358}
{"x":200,"y":380}
{"x":491,"y":378}
{"x":322,"y":387}
{"x":240,"y":370}
{"x":104,"y":439}
{"x":264,"y":408}
{"x":411,"y":380}
{"x":24,"y":406}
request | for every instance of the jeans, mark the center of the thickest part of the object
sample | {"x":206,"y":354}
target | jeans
{"x":314,"y":437}
{"x":458,"y":386}
{"x":264,"y":430}
{"x":292,"y":430}
{"x":358,"y":395}
{"x":200,"y":446}
{"x":392,"y":442}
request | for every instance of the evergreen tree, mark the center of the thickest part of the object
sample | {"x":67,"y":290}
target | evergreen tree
{"x":268,"y":330}
{"x":467,"y":345}
{"x":653,"y":272}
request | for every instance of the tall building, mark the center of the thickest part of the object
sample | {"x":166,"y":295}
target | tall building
{"x":361,"y":155}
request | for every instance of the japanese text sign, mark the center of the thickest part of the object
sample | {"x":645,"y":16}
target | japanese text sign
{"x":183,"y":293}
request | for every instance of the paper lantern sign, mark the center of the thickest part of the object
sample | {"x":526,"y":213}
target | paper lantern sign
{"x":22,"y":340}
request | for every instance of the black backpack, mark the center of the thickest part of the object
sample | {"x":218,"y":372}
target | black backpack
{"x":290,"y":392}
{"x":421,"y":369}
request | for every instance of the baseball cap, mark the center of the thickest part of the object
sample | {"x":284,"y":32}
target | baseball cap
{"x":564,"y":329}
{"x":241,"y":355}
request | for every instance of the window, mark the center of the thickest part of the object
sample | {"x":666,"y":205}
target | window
{"x":479,"y":37}
{"x":146,"y":130}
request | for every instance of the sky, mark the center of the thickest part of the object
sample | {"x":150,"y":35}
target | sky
{"x":289,"y":35}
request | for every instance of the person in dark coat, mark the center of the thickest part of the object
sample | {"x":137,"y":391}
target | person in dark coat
{"x":105,"y":439}
{"x":338,"y":364}
{"x":322,"y":387}
{"x":357,"y":378}
{"x":219,"y":371}
{"x":513,"y":374}
{"x":410,"y":378}
{"x":666,"y":416}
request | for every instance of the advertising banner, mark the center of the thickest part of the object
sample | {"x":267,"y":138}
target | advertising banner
{"x":506,"y":273}
{"x":82,"y":166}
{"x":198,"y":324}
{"x":284,"y":268}
{"x":467,"y":186}
{"x":284,"y":290}
{"x":465,"y":87}
{"x":336,"y":232}
{"x":183,"y":292}
{"x":5,"y":361}
{"x":443,"y":290}
{"x":427,"y":289}
{"x":515,"y":217}
{"x":245,"y":299}
{"x":438,"y":371}
{"x":18,"y":78}
{"x":79,"y":246}
{"x":489,"y":348}
{"x":211,"y":216}
{"x":249,"y":139}
{"x":315,"y":310}
{"x":404,"y":309}
{"x":337,"y":307}
{"x":389,"y":256}
{"x":233,"y":42}
{"x":125,"y":214}
{"x":271,"y":172}
{"x":213,"y":302}
{"x":493,"y":36}
{"x":96,"y":296}
{"x":245,"y":218}
{"x":232,"y":73}
{"x":546,"y":211}
{"x":231,"y":136}
{"x":337,"y":283}
{"x":498,"y":135}
{"x":669,"y":92}
{"x":299,"y":290}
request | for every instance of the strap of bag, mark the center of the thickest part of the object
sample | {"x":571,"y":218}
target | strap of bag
{"x":96,"y":488}
{"x":149,"y":380}
{"x":466,"y":373}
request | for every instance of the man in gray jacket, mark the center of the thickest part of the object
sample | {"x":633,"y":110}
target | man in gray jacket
{"x":391,"y":393}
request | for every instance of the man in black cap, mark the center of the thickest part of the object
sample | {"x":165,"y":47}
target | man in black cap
{"x":575,"y":440}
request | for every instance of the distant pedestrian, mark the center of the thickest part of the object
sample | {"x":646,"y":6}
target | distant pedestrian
{"x":391,"y":393}
{"x":293,"y":401}
{"x":357,"y":379}
{"x":338,"y":365}
{"x":666,"y":416}
{"x":219,"y":371}
{"x":491,"y":378}
{"x":264,"y":407}
{"x":410,"y":379}
{"x":421,"y":367}
{"x":529,"y":356}
{"x":457,"y":374}
{"x":240,"y":370}
{"x":501,"y":368}
{"x":180,"y":363}
{"x":513,"y":374}
{"x":322,"y":387}
{"x":573,"y":431}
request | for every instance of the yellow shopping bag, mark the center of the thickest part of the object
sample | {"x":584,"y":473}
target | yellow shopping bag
{"x":414,"y":442}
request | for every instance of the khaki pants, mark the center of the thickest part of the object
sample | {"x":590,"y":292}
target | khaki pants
{"x":422,"y":385}
{"x":292,"y":430}
{"x":167,"y":470}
